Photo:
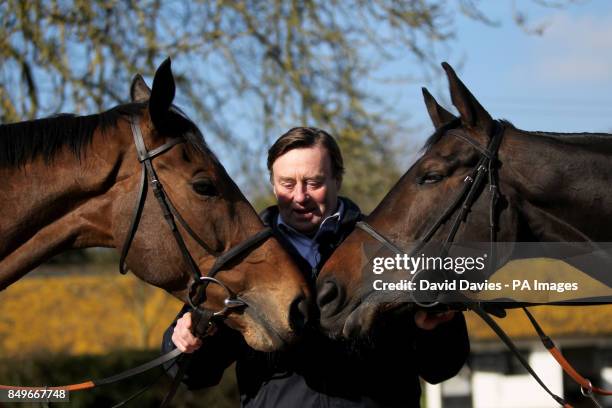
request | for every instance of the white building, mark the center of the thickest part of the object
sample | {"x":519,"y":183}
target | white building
{"x":494,"y":378}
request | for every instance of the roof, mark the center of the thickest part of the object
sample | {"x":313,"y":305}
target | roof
{"x":557,"y":321}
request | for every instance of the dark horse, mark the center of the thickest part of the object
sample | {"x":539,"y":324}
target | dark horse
{"x":552,"y":187}
{"x":72,"y":182}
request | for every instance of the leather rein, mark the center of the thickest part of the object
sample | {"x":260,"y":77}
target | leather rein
{"x":196,"y":293}
{"x":469,"y":193}
{"x":204,"y":320}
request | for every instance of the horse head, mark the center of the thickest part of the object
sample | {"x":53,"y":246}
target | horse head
{"x":427,"y":195}
{"x":91,"y":196}
{"x":265,"y":277}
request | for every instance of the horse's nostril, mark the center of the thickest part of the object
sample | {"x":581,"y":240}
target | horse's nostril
{"x":298,"y":314}
{"x":329,"y":298}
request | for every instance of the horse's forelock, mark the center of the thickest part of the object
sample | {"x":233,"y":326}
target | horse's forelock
{"x":439,"y":133}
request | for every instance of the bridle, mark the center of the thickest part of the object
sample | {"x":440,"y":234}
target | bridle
{"x":469,"y":193}
{"x":204,"y":319}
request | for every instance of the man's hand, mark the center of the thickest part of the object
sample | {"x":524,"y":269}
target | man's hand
{"x":429,"y":321}
{"x":183,"y":338}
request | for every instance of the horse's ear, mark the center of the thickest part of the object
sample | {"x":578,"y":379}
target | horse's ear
{"x":139,"y":91}
{"x":439,"y":116}
{"x":162,"y":94}
{"x":470,"y":110}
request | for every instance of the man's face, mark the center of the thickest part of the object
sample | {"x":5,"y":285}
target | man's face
{"x":304,"y":187}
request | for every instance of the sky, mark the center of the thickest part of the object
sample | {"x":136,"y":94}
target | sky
{"x":560,"y":81}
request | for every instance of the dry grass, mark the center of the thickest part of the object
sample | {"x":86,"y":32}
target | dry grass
{"x":74,"y":314}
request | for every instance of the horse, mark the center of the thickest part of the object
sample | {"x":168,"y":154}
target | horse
{"x":543,"y":187}
{"x":72,"y":182}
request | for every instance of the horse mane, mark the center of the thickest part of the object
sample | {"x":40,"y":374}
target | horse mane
{"x":594,"y":141}
{"x":22,"y":142}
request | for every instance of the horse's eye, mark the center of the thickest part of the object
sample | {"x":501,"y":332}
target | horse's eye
{"x":429,"y":178}
{"x":204,"y":187}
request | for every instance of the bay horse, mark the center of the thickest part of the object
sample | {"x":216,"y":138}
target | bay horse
{"x":72,"y":181}
{"x":548,"y":187}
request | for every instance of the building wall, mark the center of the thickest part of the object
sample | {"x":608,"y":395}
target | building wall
{"x":495,"y":379}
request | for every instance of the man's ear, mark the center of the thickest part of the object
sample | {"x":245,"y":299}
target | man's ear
{"x":338,"y":183}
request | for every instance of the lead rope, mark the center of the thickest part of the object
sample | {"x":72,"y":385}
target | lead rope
{"x":586,"y":387}
{"x":471,"y":184}
{"x":508,"y":342}
{"x":203,"y":326}
{"x":145,"y":388}
{"x":107,"y":380}
{"x":203,"y":319}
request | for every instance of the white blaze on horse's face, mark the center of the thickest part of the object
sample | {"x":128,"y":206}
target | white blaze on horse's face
{"x":305,"y":187}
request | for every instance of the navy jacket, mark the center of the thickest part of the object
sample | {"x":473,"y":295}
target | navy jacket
{"x":321,"y":372}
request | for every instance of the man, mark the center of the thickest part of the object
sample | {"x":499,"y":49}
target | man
{"x":306,"y":170}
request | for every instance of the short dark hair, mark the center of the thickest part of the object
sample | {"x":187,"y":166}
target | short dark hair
{"x":302,"y":137}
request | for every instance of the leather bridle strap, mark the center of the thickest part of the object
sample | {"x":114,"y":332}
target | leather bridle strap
{"x":504,"y":337}
{"x":472,"y":184}
{"x":585,"y":384}
{"x":466,"y":198}
{"x":197,"y":294}
{"x":107,"y":380}
{"x":203,"y":319}
{"x":144,"y":157}
{"x":380,"y":238}
{"x":245,"y":246}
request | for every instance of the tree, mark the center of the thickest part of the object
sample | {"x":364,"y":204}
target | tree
{"x":251,"y":67}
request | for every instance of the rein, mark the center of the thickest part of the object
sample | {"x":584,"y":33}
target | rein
{"x":465,"y":199}
{"x":204,"y":320}
{"x":197,"y":288}
{"x":468,"y":194}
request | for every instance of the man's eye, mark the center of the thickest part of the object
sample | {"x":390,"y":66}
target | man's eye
{"x":315,"y":184}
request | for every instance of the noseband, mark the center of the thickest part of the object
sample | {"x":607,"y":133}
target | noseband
{"x":203,"y":319}
{"x":487,"y":164}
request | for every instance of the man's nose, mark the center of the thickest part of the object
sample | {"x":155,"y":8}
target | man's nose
{"x":300,"y":195}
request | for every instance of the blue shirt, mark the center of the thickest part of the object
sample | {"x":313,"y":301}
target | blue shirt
{"x":308,"y":247}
